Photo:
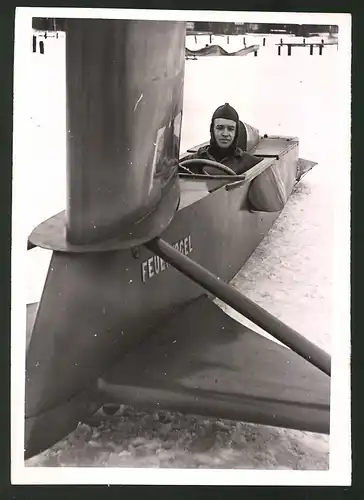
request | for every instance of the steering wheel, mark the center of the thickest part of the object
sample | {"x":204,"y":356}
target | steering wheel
{"x":210,"y":163}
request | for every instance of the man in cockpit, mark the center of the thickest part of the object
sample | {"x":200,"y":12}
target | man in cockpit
{"x":223,"y":148}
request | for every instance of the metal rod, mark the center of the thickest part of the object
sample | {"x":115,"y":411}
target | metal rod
{"x":242,"y":304}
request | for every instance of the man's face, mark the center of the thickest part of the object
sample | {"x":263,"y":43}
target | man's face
{"x":224,"y":131}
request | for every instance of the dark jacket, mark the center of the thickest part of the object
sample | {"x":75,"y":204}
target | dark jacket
{"x":240,"y":161}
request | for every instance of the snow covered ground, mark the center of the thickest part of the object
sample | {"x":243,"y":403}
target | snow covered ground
{"x":290,"y":274}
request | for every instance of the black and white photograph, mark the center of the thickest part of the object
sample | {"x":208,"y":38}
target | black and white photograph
{"x":180,"y":248}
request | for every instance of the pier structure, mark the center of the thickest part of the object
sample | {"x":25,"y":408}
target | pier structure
{"x":311,"y":46}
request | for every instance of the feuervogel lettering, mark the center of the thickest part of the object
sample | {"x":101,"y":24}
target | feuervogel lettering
{"x":155,"y":265}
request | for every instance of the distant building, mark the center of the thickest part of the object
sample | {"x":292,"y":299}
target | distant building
{"x":48,"y":24}
{"x":202,"y":27}
{"x":293,"y":29}
{"x":216,"y":28}
{"x":253,"y":27}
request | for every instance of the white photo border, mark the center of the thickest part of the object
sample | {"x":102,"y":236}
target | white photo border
{"x":339,"y":472}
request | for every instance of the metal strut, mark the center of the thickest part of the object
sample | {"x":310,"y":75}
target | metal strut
{"x":242,"y":304}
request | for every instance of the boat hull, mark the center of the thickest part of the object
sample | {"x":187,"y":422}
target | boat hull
{"x":96,"y":306}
